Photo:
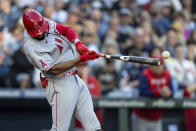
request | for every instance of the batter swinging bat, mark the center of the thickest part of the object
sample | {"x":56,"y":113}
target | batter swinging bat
{"x":135,"y":59}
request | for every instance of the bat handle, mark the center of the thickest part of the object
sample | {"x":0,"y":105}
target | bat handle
{"x":106,"y":56}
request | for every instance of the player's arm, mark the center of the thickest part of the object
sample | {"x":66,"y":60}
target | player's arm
{"x":65,"y":66}
{"x":71,"y":35}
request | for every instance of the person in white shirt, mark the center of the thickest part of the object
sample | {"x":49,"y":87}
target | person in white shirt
{"x":183,"y":71}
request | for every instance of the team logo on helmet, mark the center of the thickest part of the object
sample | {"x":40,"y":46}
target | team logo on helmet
{"x":36,"y":26}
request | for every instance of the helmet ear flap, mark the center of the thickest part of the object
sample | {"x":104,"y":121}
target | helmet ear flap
{"x":34,"y":23}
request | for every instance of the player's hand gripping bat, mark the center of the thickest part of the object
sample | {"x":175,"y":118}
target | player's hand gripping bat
{"x":135,"y":59}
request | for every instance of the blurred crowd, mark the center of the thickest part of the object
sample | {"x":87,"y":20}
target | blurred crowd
{"x":124,"y":27}
{"x":117,"y":27}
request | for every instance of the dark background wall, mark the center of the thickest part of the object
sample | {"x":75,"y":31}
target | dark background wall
{"x":35,"y":115}
{"x":24,"y":115}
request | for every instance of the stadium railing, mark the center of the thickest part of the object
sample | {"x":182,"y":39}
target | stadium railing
{"x":34,"y":98}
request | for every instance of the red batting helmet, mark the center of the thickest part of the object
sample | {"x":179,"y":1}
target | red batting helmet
{"x":34,"y":23}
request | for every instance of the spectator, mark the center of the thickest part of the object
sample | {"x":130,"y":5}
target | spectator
{"x":2,"y":37}
{"x":114,"y":24}
{"x":21,"y":70}
{"x":39,"y":6}
{"x":191,"y":50}
{"x":183,"y":26}
{"x":150,"y":38}
{"x":59,"y":15}
{"x":4,"y":72}
{"x":111,"y":34}
{"x":94,"y":88}
{"x":156,"y":51}
{"x":107,"y":76}
{"x":15,"y":41}
{"x":108,"y":3}
{"x":22,"y":3}
{"x":7,"y":15}
{"x":135,"y":7}
{"x":166,"y":10}
{"x":73,"y":20}
{"x":188,"y":24}
{"x":96,"y":4}
{"x":90,"y":26}
{"x":159,"y":23}
{"x":120,"y":4}
{"x":187,"y":5}
{"x":193,"y":35}
{"x":111,"y":47}
{"x":48,"y":11}
{"x":155,"y":81}
{"x":183,"y":71}
{"x":179,"y":26}
{"x":125,"y":43}
{"x":113,"y":27}
{"x":131,"y":73}
{"x":4,"y":40}
{"x":144,"y":16}
{"x":101,"y":26}
{"x":87,"y":38}
{"x":107,"y":73}
{"x":85,"y":8}
{"x":171,"y":41}
{"x":125,"y":27}
{"x":138,"y":42}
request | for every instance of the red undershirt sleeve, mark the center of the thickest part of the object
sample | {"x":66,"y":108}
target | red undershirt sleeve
{"x":68,"y":32}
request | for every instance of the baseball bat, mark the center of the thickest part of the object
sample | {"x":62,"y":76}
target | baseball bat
{"x":135,"y":59}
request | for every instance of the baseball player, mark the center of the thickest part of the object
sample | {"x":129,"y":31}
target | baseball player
{"x":52,"y":48}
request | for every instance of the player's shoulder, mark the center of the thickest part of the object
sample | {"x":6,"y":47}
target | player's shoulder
{"x":27,"y":40}
{"x":30,"y":45}
{"x":27,"y":46}
{"x":51,"y":23}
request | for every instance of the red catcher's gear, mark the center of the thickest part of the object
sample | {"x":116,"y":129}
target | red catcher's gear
{"x":34,"y":23}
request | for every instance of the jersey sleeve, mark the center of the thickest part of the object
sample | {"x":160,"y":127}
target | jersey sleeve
{"x":67,"y":32}
{"x":43,"y":61}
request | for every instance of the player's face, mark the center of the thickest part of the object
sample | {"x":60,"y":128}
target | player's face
{"x":40,"y":37}
{"x":157,"y":70}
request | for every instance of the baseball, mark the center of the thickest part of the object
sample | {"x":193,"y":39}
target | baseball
{"x":165,"y":55}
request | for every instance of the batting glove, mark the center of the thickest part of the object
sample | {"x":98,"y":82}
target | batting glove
{"x":81,"y":48}
{"x":91,"y":55}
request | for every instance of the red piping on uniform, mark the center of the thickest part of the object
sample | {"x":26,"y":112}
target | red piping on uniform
{"x":56,"y":102}
{"x":49,"y":68}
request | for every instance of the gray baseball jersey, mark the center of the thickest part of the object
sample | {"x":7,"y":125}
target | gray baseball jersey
{"x":66,"y":95}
